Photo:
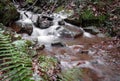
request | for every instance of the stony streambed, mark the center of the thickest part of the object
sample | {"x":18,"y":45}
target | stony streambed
{"x":96,"y":56}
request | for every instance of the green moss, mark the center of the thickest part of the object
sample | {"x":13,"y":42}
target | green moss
{"x":30,"y":1}
{"x":87,"y":14}
{"x":89,"y":19}
{"x":59,"y":9}
{"x":47,"y":63}
{"x":73,"y":74}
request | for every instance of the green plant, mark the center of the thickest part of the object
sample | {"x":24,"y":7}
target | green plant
{"x":87,"y":14}
{"x":49,"y":67}
{"x":16,"y":64}
{"x":73,"y":74}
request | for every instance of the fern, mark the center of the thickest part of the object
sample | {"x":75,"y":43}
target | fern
{"x":73,"y":74}
{"x":16,"y":64}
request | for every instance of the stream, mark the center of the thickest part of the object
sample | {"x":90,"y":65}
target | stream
{"x":72,"y":45}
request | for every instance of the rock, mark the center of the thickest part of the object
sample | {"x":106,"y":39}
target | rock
{"x":47,"y":17}
{"x":23,"y":27}
{"x":27,"y":29}
{"x":58,"y":44}
{"x":73,"y":21}
{"x":65,"y":33}
{"x":70,"y":31}
{"x":58,"y":28}
{"x":91,"y":29}
{"x":24,"y":5}
{"x":37,"y":10}
{"x":43,"y":23}
{"x":39,"y":47}
{"x":62,"y":22}
{"x":8,"y":12}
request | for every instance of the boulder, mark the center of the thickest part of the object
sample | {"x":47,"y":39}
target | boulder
{"x":70,"y":31}
{"x":27,"y":29}
{"x":43,"y":23}
{"x":23,"y":26}
{"x":8,"y":12}
{"x":73,"y":21}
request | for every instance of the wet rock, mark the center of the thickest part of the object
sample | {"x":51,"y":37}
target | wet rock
{"x":68,"y":33}
{"x":8,"y":12}
{"x":58,"y":44}
{"x":62,"y":22}
{"x":27,"y":29}
{"x":65,"y":33}
{"x":58,"y":28}
{"x":47,"y":17}
{"x":73,"y":21}
{"x":37,"y":10}
{"x":24,"y":5}
{"x":91,"y":29}
{"x":71,"y":31}
{"x":76,"y":35}
{"x":43,"y":23}
{"x":23,"y":27}
{"x":39,"y":47}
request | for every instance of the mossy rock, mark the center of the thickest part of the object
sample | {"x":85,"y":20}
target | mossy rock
{"x":8,"y":12}
{"x":73,"y":21}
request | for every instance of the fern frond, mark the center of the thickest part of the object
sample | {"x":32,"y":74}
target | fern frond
{"x":16,"y":64}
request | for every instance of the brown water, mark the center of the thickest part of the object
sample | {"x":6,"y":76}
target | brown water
{"x":98,"y":57}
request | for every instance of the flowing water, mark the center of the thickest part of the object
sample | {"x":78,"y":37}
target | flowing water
{"x":84,"y":51}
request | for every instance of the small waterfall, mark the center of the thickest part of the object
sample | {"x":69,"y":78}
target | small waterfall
{"x":53,"y":33}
